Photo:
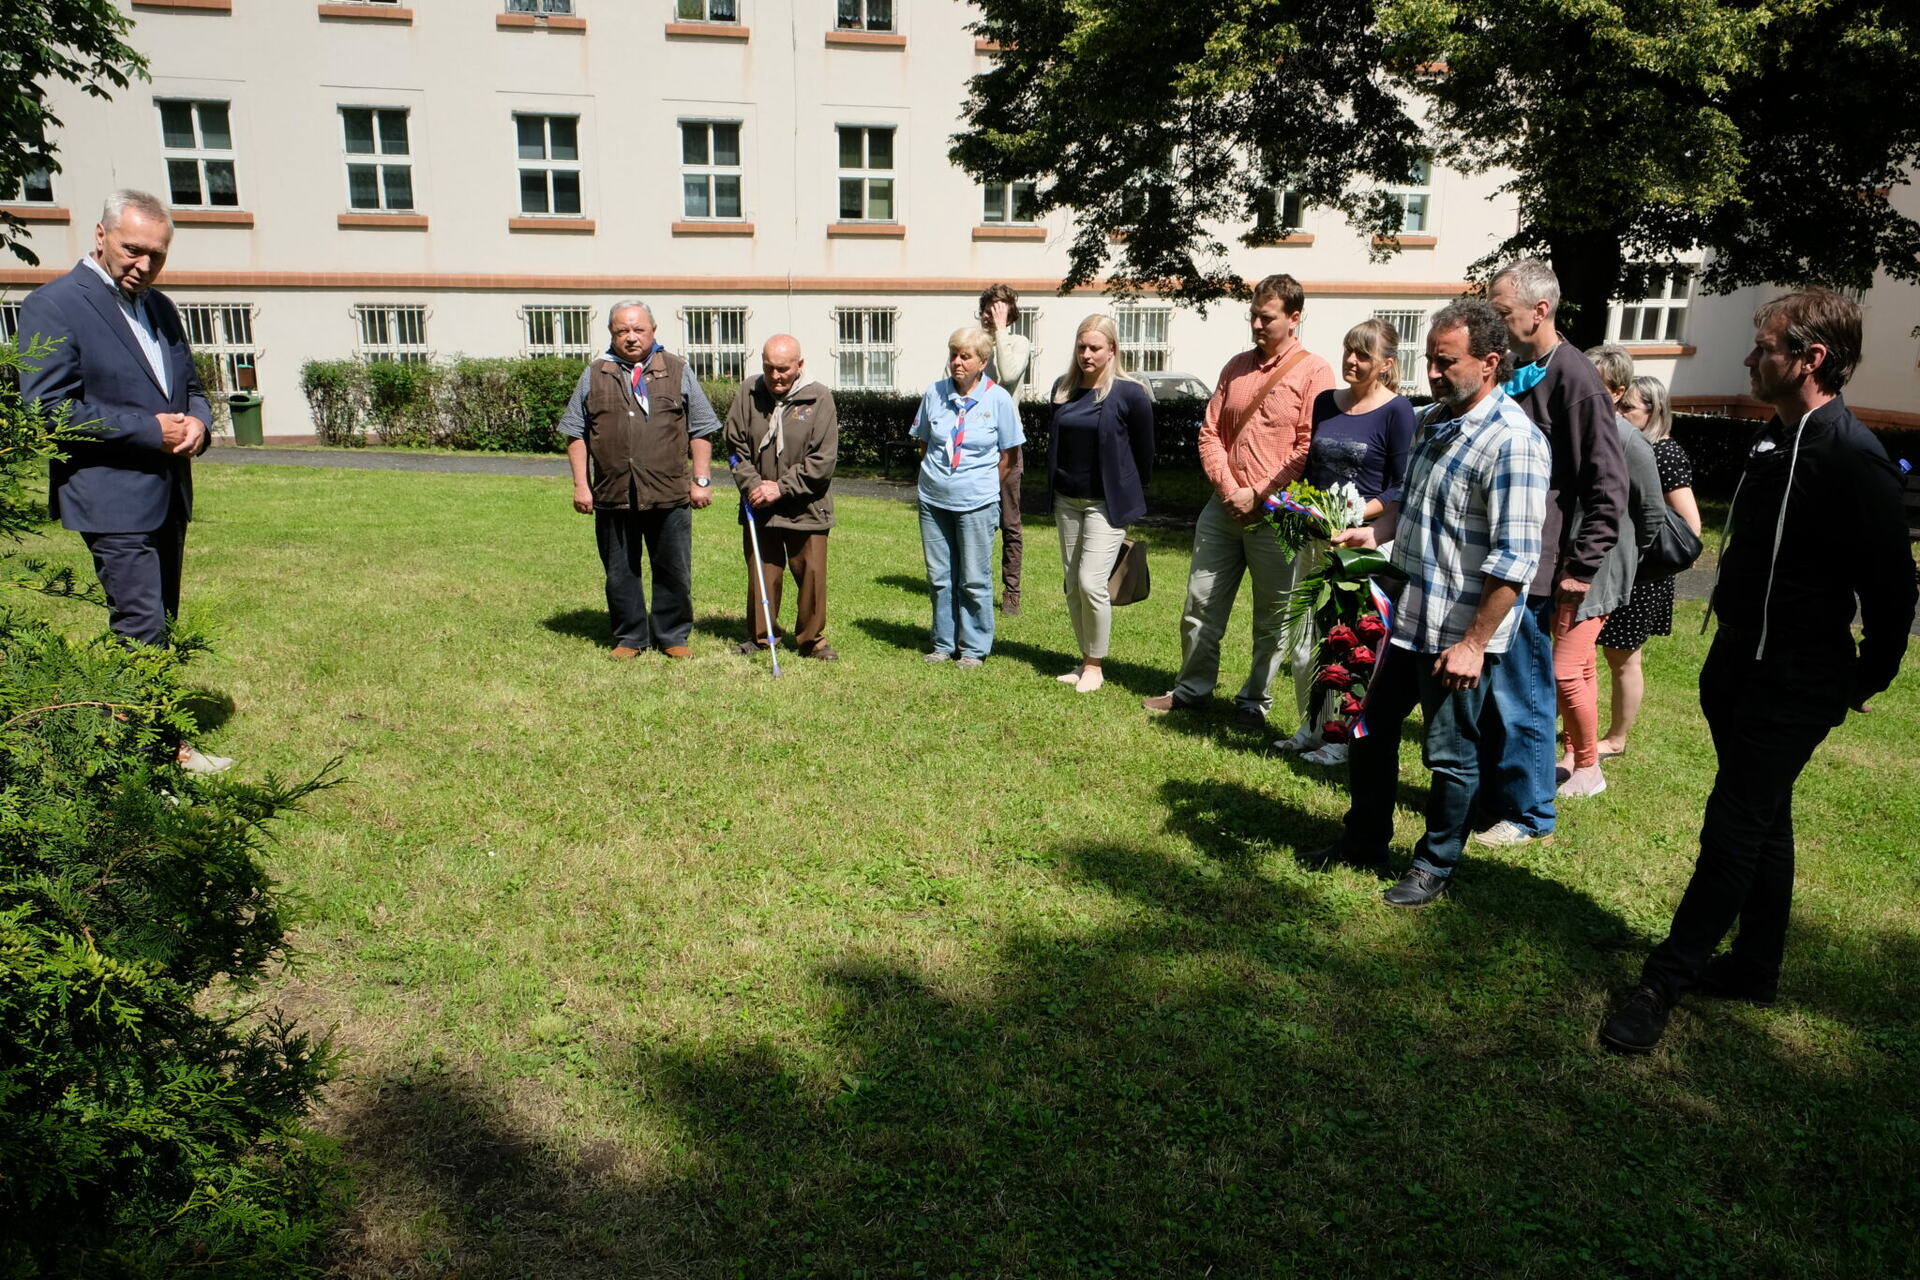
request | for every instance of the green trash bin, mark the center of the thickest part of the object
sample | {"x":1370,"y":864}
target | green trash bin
{"x":245,"y":409}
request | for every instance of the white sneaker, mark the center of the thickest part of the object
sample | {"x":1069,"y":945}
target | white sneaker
{"x":1303,"y":739}
{"x":1505,"y":834}
{"x":1332,"y":754}
{"x":198,"y":761}
{"x":1070,"y":677}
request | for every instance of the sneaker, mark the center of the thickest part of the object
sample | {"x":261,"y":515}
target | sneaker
{"x":1507,"y":833}
{"x":938,"y":657}
{"x":970,"y":663}
{"x":1583,"y":782}
{"x":1636,"y":1026}
{"x":822,"y":652}
{"x":1334,"y":753}
{"x":1726,"y":978}
{"x":1418,"y":888}
{"x":1337,"y":854}
{"x":622,"y":652}
{"x":194,"y":760}
{"x":1302,"y":740}
{"x":1090,"y":679}
{"x":1162,"y":703}
{"x":1070,"y":677}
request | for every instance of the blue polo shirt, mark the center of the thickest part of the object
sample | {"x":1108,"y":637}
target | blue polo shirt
{"x":967,"y":478}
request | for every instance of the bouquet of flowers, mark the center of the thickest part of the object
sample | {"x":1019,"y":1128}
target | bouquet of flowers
{"x":1349,"y":609}
{"x":1301,"y":512}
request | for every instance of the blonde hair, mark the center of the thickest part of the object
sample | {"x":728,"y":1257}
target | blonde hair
{"x":1377,"y":338}
{"x":1653,"y":393}
{"x":1070,"y":380}
{"x":973,"y":341}
{"x":1615,"y":364}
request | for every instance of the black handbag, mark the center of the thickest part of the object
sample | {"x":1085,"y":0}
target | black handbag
{"x":1130,"y":580}
{"x":1673,"y":550}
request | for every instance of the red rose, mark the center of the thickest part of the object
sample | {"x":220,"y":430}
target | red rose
{"x":1334,"y":731}
{"x":1336,"y":676}
{"x":1342,"y":637}
{"x":1350,"y":705}
{"x":1371,"y":627}
{"x":1361,"y":657}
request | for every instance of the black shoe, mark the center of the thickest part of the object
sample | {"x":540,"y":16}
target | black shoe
{"x":1418,"y":888}
{"x":1339,"y":855}
{"x":1726,"y":978}
{"x":1636,"y":1026}
{"x":1010,"y":604}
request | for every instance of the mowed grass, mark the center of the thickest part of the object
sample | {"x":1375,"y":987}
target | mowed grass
{"x":884,"y":969}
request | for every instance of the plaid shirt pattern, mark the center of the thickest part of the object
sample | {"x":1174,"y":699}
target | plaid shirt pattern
{"x":1476,"y":498}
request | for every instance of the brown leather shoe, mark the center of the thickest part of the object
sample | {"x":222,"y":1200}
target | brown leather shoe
{"x":822,"y":652}
{"x":622,"y":652}
{"x":1165,"y":702}
{"x":677,"y":651}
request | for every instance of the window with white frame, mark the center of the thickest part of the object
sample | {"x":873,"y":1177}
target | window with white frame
{"x":198,"y":140}
{"x":710,"y":168}
{"x":864,"y":15}
{"x":863,"y":351}
{"x":716,"y":341}
{"x":866,"y":173}
{"x":31,"y":188}
{"x":552,"y":330}
{"x":1415,"y":198}
{"x":1143,"y":337}
{"x":224,"y":330}
{"x":1661,"y":316}
{"x":9,"y":321}
{"x":391,"y":333}
{"x":707,"y":11}
{"x":540,"y":6}
{"x":1410,"y":356}
{"x":549,"y":151}
{"x":1289,"y":209}
{"x":1013,"y":203}
{"x":379,"y":167}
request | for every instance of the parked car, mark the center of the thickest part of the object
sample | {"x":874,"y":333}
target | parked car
{"x":1176,"y":386}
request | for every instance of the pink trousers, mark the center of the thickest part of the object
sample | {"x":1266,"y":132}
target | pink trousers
{"x":1577,"y":682}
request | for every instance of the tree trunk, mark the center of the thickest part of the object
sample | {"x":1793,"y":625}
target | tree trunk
{"x":1588,"y":264}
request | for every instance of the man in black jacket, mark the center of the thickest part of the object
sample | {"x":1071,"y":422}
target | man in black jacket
{"x":1784,"y":669}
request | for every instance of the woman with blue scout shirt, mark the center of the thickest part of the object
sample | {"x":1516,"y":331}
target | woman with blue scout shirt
{"x":967,"y":427}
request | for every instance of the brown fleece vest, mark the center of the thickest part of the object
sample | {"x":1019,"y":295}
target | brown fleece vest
{"x":639,"y":457}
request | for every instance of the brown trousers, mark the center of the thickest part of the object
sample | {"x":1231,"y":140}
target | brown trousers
{"x":805,"y":553}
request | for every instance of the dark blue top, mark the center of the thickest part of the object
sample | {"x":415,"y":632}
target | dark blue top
{"x":1076,"y":462}
{"x":1367,"y":449}
{"x":1125,"y":449}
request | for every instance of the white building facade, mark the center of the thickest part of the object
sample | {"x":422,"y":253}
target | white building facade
{"x":483,"y":177}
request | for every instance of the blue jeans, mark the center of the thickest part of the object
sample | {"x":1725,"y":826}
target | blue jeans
{"x":959,"y":550}
{"x":1517,"y":745}
{"x":1404,"y":679}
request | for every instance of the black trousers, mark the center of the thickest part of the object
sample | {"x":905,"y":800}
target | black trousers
{"x":1764,"y":731}
{"x":666,"y":536}
{"x":140,"y":573}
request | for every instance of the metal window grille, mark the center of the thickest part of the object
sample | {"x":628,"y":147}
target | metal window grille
{"x":9,"y":321}
{"x":1661,"y":317}
{"x":864,"y":353}
{"x":558,"y":331}
{"x":716,"y":341}
{"x":864,"y":15}
{"x":866,"y":174}
{"x":197,"y":138}
{"x":710,"y":176}
{"x":379,"y":167}
{"x":1409,"y":355}
{"x":540,"y":6}
{"x":1143,"y":337}
{"x":551,"y":185}
{"x":224,"y":329}
{"x":392,"y":333}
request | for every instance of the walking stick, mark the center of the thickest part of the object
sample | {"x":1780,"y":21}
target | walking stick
{"x":759,"y":574}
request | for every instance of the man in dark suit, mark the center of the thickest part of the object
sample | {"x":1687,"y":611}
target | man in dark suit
{"x":121,"y":363}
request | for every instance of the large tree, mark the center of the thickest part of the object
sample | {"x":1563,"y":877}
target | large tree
{"x":43,"y":41}
{"x":1629,"y":132}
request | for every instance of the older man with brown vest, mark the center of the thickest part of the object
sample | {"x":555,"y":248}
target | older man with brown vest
{"x":636,"y":417}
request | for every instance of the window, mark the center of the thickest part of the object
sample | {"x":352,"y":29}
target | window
{"x":35,"y":187}
{"x":866,"y":174}
{"x":710,"y":156}
{"x":707,"y":11}
{"x":381,"y":132}
{"x":716,"y":341}
{"x":1410,"y":356}
{"x":552,"y":186}
{"x":1143,"y":337}
{"x":392,"y":333}
{"x":1659,"y":317}
{"x":1012,"y":202}
{"x":9,"y":321}
{"x":559,"y":331}
{"x":199,"y":147}
{"x":540,"y":6}
{"x":1415,"y":197}
{"x":864,"y":352}
{"x":864,"y":15}
{"x":225,"y":330}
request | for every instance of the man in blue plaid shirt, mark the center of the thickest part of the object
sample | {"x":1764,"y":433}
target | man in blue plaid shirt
{"x":1467,"y":535}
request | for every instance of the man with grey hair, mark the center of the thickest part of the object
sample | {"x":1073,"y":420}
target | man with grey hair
{"x":123,"y":369}
{"x":637,"y":415}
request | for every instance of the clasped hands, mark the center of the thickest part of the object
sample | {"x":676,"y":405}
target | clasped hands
{"x":181,"y":432}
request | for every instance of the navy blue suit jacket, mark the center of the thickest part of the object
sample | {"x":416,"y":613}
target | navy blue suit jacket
{"x":122,"y":479}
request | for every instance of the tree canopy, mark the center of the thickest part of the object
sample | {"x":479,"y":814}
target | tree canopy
{"x":1629,"y":132}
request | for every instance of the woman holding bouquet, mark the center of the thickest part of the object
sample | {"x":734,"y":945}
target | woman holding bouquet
{"x":1361,"y":435}
{"x":1099,"y":459}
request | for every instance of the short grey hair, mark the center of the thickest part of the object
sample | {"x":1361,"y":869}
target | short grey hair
{"x":1533,"y":280}
{"x":139,"y":201}
{"x":974,"y":341}
{"x":1615,"y":365}
{"x":626,"y":303}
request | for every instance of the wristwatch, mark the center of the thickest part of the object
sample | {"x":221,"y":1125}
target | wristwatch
{"x":704,"y":482}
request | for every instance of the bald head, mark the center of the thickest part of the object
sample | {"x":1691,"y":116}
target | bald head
{"x":781,"y":363}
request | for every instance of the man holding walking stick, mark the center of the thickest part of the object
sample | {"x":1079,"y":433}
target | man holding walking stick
{"x":784,"y":433}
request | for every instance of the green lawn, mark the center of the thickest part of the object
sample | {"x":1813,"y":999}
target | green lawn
{"x":883,"y":969}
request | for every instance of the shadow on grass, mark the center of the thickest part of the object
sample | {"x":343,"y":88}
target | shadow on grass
{"x":905,"y":582}
{"x":1135,"y":678}
{"x":590,"y":625}
{"x":209,"y":708}
{"x":897,"y":634}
